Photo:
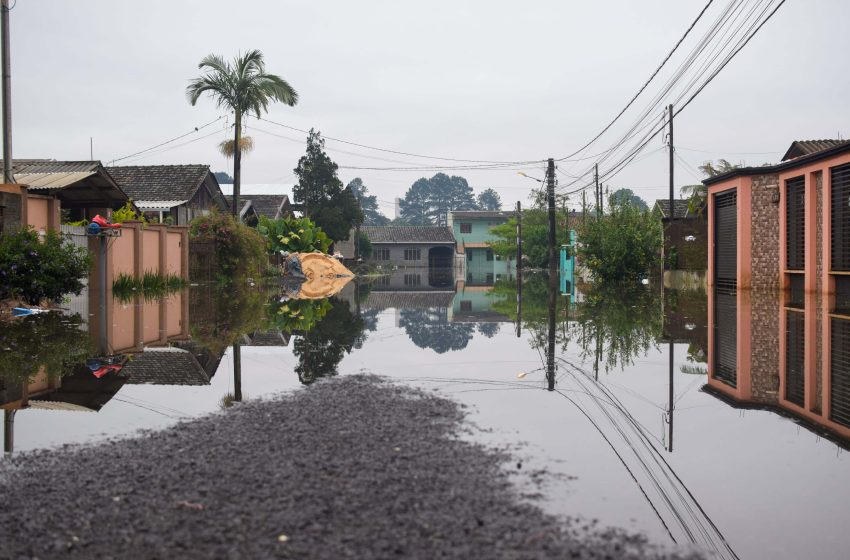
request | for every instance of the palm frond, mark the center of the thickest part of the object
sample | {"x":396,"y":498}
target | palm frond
{"x":215,"y":63}
{"x":246,"y":145}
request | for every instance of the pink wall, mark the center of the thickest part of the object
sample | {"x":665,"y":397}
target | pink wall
{"x":151,"y":252}
{"x":38,"y":215}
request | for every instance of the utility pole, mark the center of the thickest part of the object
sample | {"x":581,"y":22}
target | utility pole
{"x":518,"y":269}
{"x":550,"y":194}
{"x":91,"y":148}
{"x":518,"y":237}
{"x":7,"y":93}
{"x":597,"y":191}
{"x":670,"y":403}
{"x":670,"y":115}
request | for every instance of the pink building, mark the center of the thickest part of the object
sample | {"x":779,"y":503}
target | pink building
{"x":784,"y":226}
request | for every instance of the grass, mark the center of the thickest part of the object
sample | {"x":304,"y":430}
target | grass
{"x":152,"y":285}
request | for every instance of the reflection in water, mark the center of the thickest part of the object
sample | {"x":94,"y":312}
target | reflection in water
{"x":321,"y":349}
{"x":787,"y":353}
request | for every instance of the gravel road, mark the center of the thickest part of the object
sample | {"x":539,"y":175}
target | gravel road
{"x":353,"y":467}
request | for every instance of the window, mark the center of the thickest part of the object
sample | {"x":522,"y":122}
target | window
{"x":469,"y":256}
{"x":795,"y":223}
{"x":465,"y":305}
{"x":382,"y":253}
{"x":466,"y":228}
{"x":383,"y":281}
{"x":489,"y":254}
{"x":489,"y":279}
{"x":412,"y":254}
{"x":412,"y":280}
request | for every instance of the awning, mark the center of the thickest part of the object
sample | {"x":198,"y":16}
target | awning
{"x":157,"y":205}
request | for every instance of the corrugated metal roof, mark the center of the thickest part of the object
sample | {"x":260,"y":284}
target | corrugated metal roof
{"x":156,"y":205}
{"x":806,"y":147}
{"x":46,"y":181}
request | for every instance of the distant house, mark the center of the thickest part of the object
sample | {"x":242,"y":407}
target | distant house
{"x":472,"y":232}
{"x":77,"y":189}
{"x":171,"y":193}
{"x":685,"y":237}
{"x":271,"y":206}
{"x":408,"y":246}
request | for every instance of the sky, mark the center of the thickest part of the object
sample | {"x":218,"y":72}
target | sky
{"x":474,"y":80}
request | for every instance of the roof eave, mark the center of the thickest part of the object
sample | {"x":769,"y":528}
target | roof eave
{"x":779,"y":167}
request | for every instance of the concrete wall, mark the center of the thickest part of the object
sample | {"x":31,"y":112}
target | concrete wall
{"x":12,"y":208}
{"x":480,"y":229}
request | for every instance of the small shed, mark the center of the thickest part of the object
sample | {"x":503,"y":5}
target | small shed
{"x":173,"y":194}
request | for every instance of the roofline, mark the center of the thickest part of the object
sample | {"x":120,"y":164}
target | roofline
{"x":779,"y":167}
{"x":413,"y":242}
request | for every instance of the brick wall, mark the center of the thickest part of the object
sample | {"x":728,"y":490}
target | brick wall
{"x":10,"y":208}
{"x":764,"y":344}
{"x":765,"y":233}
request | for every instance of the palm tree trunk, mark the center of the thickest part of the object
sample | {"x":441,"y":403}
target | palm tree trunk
{"x":237,"y":164}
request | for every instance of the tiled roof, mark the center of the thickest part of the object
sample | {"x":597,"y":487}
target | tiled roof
{"x":267,"y":205}
{"x":407,"y":300}
{"x":679,"y":205}
{"x":483,"y":214}
{"x":408,"y":234}
{"x":165,"y":366}
{"x":159,"y":182}
{"x":805,"y":147}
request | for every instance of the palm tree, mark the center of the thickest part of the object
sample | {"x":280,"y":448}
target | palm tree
{"x":242,"y":87}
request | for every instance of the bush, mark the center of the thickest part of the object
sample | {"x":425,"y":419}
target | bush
{"x":620,"y":246}
{"x":364,"y":246}
{"x":36,"y":269}
{"x":293,"y":235}
{"x":240,"y":250}
{"x":127,"y":213}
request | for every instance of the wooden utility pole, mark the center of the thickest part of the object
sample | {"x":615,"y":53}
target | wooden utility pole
{"x":550,"y":195}
{"x":518,"y":237}
{"x":7,"y":93}
{"x":672,"y":209}
{"x":597,"y":191}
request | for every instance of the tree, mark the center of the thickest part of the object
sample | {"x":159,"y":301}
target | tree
{"x":488,"y":199}
{"x":429,"y":328}
{"x":243,"y":87}
{"x":416,"y":203}
{"x":627,"y":196}
{"x":320,"y":191}
{"x":535,"y":237}
{"x":223,"y":178}
{"x":539,"y":200}
{"x":368,"y":204}
{"x":620,"y":246}
{"x":428,"y":201}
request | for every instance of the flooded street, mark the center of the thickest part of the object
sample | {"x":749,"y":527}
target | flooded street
{"x":607,"y":395}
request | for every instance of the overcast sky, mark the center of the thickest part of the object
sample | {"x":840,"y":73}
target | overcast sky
{"x":486,"y":80}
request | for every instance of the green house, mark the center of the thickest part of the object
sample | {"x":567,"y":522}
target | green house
{"x":471,"y":229}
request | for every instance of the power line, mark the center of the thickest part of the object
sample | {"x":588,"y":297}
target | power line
{"x":644,"y":86}
{"x":194,"y":130}
{"x":399,"y":152}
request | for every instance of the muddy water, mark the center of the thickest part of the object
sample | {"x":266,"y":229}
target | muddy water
{"x":713,"y":419}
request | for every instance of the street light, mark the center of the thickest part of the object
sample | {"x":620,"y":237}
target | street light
{"x":529,"y":176}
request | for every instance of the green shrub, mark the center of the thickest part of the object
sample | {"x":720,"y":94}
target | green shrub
{"x":620,"y":246}
{"x":127,"y":213}
{"x":152,"y":285}
{"x":293,"y":235}
{"x":364,"y":245}
{"x":240,"y":250}
{"x":36,"y":269}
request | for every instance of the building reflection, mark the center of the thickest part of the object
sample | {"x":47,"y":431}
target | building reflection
{"x":788,"y":353}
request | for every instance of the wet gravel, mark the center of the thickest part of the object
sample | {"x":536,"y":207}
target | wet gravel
{"x":353,"y":467}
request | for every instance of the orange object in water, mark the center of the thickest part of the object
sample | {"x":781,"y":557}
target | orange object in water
{"x":326,"y":276}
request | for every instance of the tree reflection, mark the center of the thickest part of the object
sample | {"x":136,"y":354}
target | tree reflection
{"x":614,"y":324}
{"x":489,"y":329}
{"x":430,"y":328}
{"x":321,"y":349}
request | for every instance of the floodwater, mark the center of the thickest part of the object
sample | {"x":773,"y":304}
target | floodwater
{"x":718,"y":420}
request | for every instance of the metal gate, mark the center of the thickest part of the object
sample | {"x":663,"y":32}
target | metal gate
{"x":795,"y":348}
{"x":726,"y":239}
{"x":839,"y":392}
{"x":726,"y":336}
{"x":840,"y":219}
{"x":795,"y":224}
